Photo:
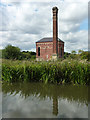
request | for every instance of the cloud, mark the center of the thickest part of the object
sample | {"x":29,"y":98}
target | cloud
{"x":25,"y":23}
{"x":77,"y":1}
{"x":36,"y":107}
{"x":76,"y":41}
{"x":71,"y":16}
{"x":73,"y":12}
{"x":70,"y":1}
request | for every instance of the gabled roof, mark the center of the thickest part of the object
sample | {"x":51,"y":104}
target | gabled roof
{"x":48,"y":39}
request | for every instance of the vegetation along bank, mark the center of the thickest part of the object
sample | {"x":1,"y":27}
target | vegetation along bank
{"x":61,"y":72}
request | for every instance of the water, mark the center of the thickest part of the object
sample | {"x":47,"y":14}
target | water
{"x":0,"y":100}
{"x":37,"y":100}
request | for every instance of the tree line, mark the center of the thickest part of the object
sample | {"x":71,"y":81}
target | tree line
{"x":12,"y":52}
{"x":80,"y":55}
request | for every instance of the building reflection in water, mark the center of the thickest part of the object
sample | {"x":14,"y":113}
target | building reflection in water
{"x":55,"y":106}
{"x":79,"y":94}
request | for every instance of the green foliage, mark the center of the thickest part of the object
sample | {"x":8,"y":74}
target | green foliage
{"x":0,"y":53}
{"x":33,"y":57}
{"x":80,"y":56}
{"x":32,"y":53}
{"x":28,"y":55}
{"x":54,"y":72}
{"x":25,"y":55}
{"x":85,"y":55}
{"x":11,"y":52}
{"x":80,"y":51}
{"x":66,"y":55}
{"x":73,"y":52}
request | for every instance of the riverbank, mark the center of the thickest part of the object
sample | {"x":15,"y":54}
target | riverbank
{"x":61,"y":72}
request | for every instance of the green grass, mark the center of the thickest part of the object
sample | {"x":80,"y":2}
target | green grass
{"x":61,"y":72}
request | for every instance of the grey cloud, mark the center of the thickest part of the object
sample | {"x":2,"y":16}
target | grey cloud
{"x":24,"y":24}
{"x":66,"y":27}
{"x":4,"y":19}
{"x":76,"y":40}
{"x":27,"y":46}
{"x":24,"y":41}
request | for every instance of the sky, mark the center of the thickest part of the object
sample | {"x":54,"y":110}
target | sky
{"x":23,"y":23}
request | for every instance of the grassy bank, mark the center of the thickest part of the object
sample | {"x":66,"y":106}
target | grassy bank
{"x":75,"y":72}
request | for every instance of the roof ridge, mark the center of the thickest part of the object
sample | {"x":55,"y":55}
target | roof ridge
{"x":48,"y":39}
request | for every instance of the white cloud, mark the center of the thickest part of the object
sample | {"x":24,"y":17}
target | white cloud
{"x":77,"y":1}
{"x":73,"y":12}
{"x":70,"y":1}
{"x":25,"y":23}
{"x":76,"y":41}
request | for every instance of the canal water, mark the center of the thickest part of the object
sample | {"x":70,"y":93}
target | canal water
{"x":38,"y":100}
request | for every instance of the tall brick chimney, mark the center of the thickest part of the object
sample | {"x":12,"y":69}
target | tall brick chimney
{"x":55,"y":31}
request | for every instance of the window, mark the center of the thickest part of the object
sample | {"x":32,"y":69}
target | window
{"x":38,"y":51}
{"x":47,"y":56}
{"x":61,"y":51}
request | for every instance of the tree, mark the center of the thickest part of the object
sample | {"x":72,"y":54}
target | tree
{"x":66,"y":54}
{"x":0,"y":53}
{"x":33,"y":57}
{"x":85,"y":55}
{"x":80,"y":51}
{"x":3,"y":53}
{"x":32,"y":53}
{"x":12,"y":52}
{"x":26,"y":55}
{"x":73,"y":52}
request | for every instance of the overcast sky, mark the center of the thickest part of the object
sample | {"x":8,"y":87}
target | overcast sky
{"x":23,"y":23}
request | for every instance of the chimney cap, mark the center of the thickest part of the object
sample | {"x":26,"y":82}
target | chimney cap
{"x":55,"y":8}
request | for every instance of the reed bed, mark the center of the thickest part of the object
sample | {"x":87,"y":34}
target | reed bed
{"x":61,"y":72}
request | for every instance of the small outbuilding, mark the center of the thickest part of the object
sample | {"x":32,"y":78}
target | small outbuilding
{"x":50,"y":47}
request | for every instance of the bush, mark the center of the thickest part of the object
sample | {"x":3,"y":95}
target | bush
{"x":11,"y":52}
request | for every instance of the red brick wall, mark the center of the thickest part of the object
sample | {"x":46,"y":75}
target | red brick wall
{"x":60,"y":45}
{"x":46,"y":50}
{"x":55,"y":30}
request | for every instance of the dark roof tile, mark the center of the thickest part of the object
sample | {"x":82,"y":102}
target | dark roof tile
{"x":48,"y":39}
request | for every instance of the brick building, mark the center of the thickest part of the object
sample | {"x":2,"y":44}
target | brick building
{"x":50,"y":47}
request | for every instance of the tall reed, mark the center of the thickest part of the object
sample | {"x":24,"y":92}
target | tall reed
{"x":60,"y":72}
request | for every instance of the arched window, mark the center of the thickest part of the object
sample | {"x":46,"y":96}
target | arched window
{"x":38,"y":51}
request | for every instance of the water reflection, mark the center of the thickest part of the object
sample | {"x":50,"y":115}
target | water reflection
{"x":39,"y":100}
{"x":0,"y":100}
{"x":55,"y":106}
